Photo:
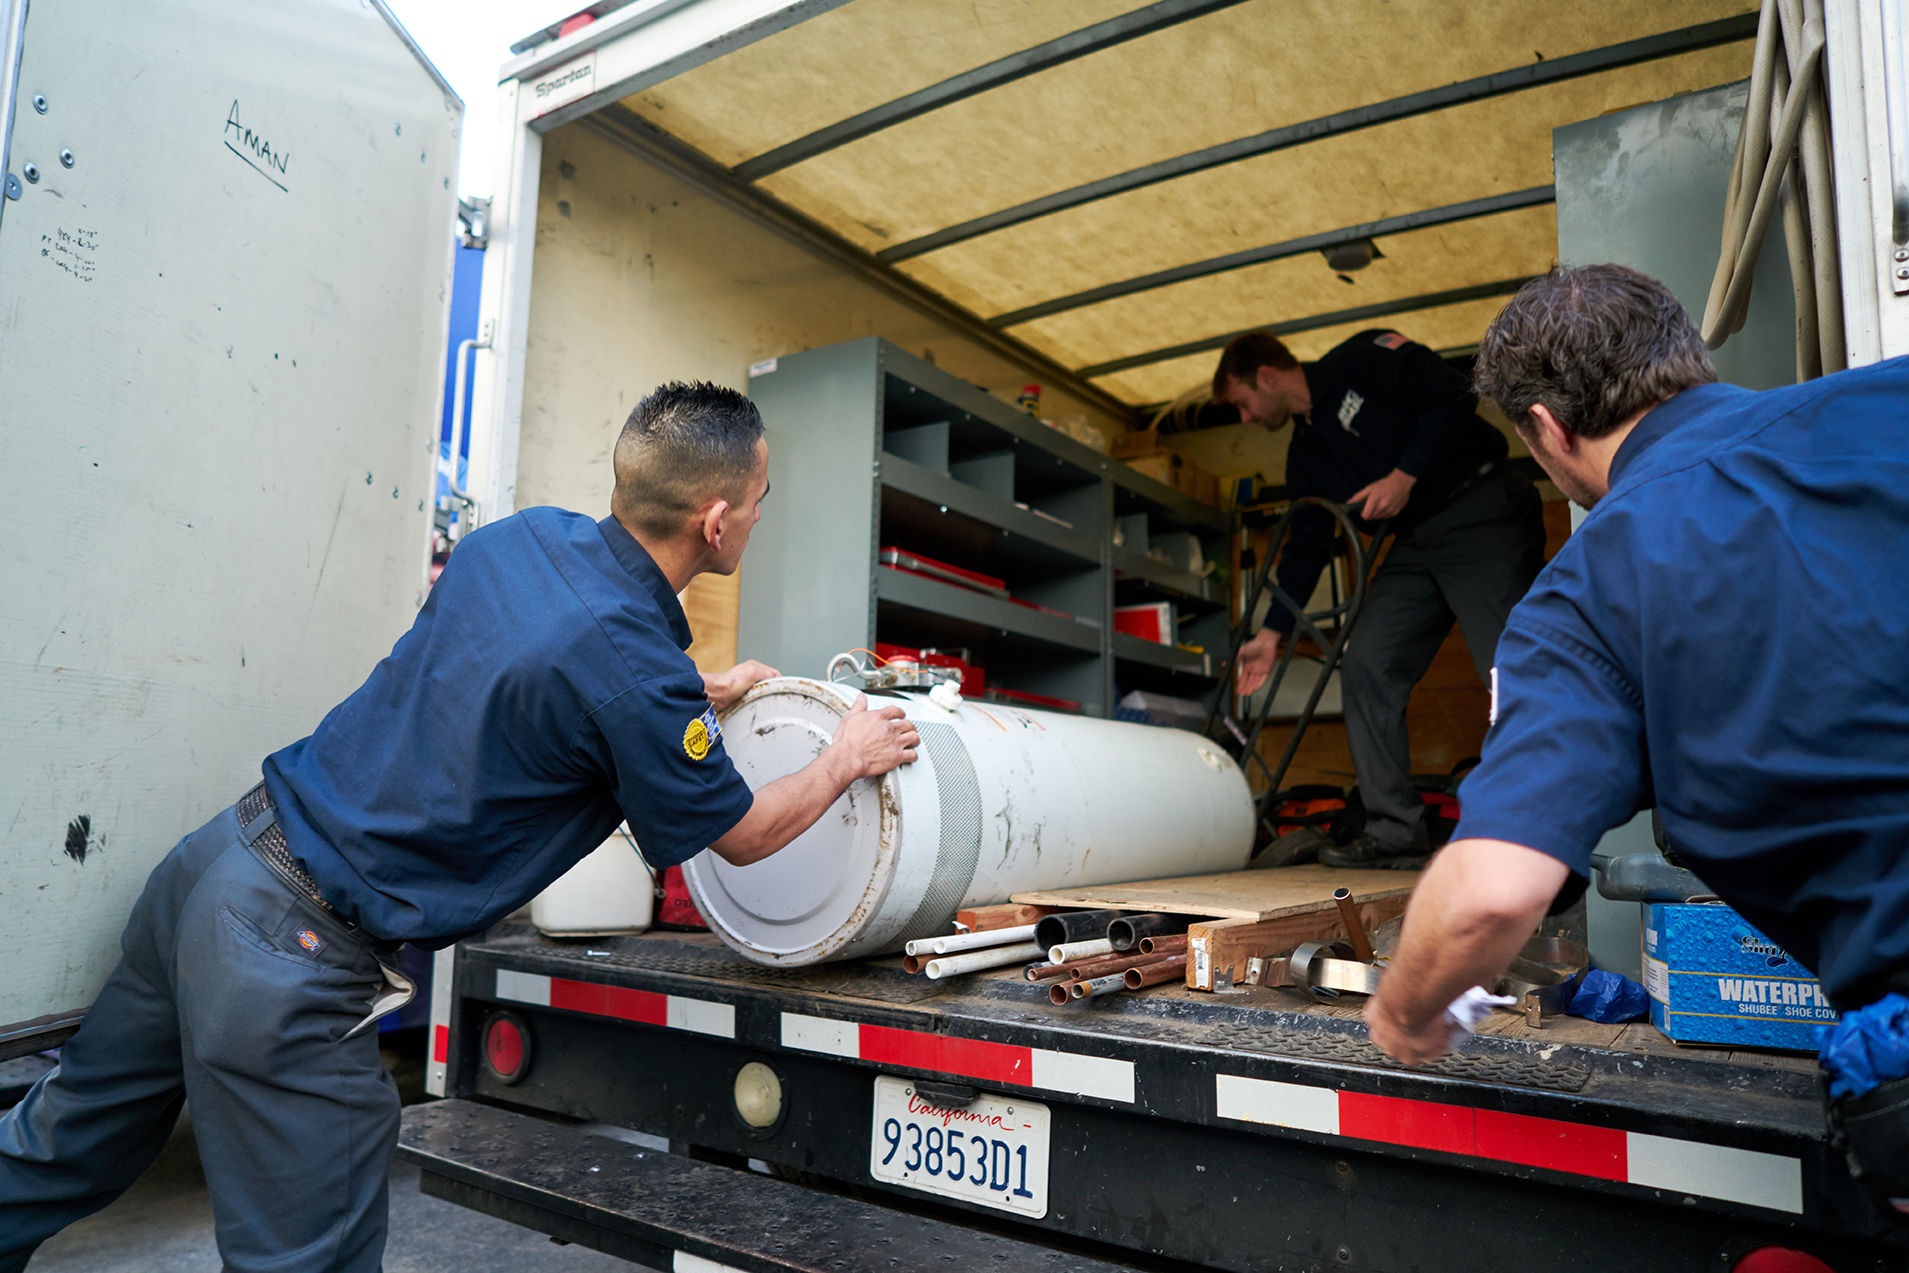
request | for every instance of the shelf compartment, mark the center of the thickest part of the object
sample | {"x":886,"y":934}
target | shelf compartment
{"x":934,"y":488}
{"x":1132,"y":566}
{"x":918,"y":593}
{"x":1171,"y":657}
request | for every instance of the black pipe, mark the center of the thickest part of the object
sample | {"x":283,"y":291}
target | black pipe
{"x":1055,"y":930}
{"x":1125,"y":933}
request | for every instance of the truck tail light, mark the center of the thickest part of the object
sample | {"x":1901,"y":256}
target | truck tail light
{"x":1778,"y":1259}
{"x":507,"y":1046}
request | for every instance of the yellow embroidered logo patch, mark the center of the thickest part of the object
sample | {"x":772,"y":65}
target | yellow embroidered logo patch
{"x":701,"y":735}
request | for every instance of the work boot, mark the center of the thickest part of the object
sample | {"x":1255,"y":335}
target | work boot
{"x":1370,"y":853}
{"x":1303,"y":845}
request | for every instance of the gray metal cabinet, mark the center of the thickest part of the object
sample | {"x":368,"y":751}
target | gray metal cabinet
{"x":871,"y":448}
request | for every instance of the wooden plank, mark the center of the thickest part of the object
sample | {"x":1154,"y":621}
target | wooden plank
{"x":984,"y":919}
{"x":1254,"y":895}
{"x":1219,"y":944}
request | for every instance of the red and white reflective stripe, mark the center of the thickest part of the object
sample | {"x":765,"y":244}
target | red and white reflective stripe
{"x":1748,"y":1176}
{"x":684,"y":1262}
{"x":435,"y":1069}
{"x":1069,"y":1072}
{"x":646,"y":1006}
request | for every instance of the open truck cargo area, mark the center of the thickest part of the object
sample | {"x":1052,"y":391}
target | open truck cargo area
{"x":953,"y":251}
{"x":1241,"y":1132}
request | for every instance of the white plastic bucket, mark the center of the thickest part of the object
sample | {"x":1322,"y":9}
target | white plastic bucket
{"x":609,"y":891}
{"x":1001,"y":801}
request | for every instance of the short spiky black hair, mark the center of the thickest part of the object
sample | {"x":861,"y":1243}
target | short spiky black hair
{"x":684,"y":445}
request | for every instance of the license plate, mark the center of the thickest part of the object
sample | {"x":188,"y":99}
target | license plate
{"x":993,"y":1153}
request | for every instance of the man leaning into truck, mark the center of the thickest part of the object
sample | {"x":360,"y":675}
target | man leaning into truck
{"x":1382,"y":424}
{"x":542,"y":697}
{"x":1725,"y":637}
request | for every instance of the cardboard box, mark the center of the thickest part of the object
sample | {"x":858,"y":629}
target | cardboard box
{"x":1714,"y":979}
{"x":1174,"y":470}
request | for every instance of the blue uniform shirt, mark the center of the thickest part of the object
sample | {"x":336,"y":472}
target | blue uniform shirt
{"x":1727,"y":634}
{"x":541,"y":698}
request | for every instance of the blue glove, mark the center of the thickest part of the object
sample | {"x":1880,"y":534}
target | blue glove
{"x":1867,"y":1048}
{"x":1609,"y":999}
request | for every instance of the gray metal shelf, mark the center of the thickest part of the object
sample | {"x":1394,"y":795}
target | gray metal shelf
{"x":1163,"y":576}
{"x":966,"y":491}
{"x":1172,"y":657}
{"x":960,"y":497}
{"x":946,"y":599}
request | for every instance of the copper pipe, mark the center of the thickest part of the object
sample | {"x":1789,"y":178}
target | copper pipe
{"x":1163,"y":945}
{"x":1086,"y":969}
{"x":914,"y":963}
{"x":1044,"y":971}
{"x":1355,"y":927}
{"x":1059,"y":993}
{"x":1153,"y":974}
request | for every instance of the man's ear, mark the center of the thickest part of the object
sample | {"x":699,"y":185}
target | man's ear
{"x":1557,"y":439}
{"x":711,"y":523}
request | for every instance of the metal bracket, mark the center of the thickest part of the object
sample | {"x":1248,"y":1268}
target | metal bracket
{"x":475,"y":214}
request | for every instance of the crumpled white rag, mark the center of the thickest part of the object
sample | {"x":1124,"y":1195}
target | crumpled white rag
{"x":1468,"y":1010}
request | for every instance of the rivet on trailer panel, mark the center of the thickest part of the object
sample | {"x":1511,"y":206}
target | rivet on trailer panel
{"x":39,"y":102}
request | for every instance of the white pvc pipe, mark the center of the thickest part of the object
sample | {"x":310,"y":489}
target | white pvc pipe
{"x":1079,"y":950}
{"x":954,"y":943}
{"x":980,"y":960}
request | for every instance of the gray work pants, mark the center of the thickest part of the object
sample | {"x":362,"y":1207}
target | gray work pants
{"x":220,"y":997}
{"x":1472,"y":561}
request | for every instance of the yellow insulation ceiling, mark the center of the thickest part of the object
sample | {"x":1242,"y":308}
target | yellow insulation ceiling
{"x":1229,"y":74}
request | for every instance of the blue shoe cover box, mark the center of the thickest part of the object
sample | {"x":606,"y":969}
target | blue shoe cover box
{"x":1714,"y":979}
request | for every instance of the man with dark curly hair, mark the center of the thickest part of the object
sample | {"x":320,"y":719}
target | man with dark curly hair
{"x":1725,"y":638}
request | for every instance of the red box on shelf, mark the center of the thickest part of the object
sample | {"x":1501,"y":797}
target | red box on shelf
{"x":1033,"y":700}
{"x":1150,"y":622}
{"x":916,"y":564}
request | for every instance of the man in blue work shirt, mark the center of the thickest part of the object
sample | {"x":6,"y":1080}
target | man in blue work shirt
{"x":1725,"y":637}
{"x":542,"y":697}
{"x":1383,"y":424}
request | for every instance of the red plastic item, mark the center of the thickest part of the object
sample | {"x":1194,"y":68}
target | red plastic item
{"x":1035,"y":700}
{"x":675,"y":912}
{"x":1150,"y":622}
{"x":915,"y":564}
{"x":575,"y":22}
{"x":973,"y":679}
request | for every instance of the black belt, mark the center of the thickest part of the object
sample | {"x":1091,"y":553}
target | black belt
{"x":270,"y":845}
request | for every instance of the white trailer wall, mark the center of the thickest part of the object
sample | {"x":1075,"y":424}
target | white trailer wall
{"x":639,"y":278}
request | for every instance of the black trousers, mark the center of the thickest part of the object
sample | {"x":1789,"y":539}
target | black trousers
{"x":1469,"y":563}
{"x":235,"y":991}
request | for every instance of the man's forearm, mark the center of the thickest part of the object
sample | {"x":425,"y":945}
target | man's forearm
{"x":1477,"y":903}
{"x":785,"y":808}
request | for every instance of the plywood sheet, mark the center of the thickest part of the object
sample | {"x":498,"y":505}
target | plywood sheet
{"x":1256,"y":895}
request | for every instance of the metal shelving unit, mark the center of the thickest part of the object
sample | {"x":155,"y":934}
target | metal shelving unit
{"x":871,"y":447}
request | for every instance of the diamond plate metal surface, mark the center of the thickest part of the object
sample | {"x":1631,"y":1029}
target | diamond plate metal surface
{"x":1342,"y":1049}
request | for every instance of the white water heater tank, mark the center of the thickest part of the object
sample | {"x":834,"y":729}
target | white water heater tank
{"x":1000,"y":801}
